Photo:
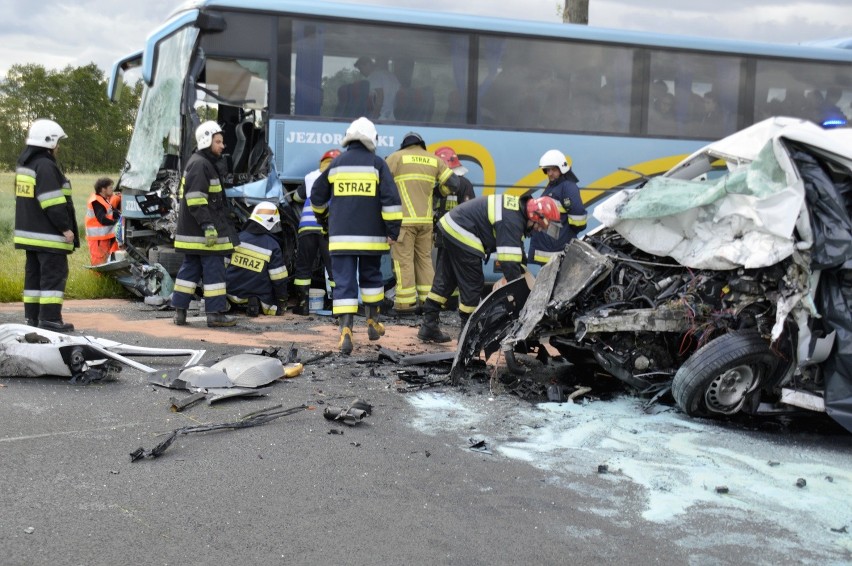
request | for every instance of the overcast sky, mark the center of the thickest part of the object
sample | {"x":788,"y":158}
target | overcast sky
{"x":56,"y":33}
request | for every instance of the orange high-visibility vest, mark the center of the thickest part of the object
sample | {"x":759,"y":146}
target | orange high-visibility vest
{"x":94,"y":229}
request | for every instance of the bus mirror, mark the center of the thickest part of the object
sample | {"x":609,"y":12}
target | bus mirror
{"x":116,"y":78}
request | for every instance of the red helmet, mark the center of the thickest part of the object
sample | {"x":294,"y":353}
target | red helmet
{"x":448,"y":155}
{"x":542,"y":211}
{"x":330,"y":154}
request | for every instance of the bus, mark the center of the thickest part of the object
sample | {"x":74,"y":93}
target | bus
{"x":281,"y":79}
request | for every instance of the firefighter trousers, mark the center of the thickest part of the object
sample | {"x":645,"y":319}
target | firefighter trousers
{"x":460,"y":268}
{"x":309,"y":246}
{"x":210,"y":271}
{"x":352,"y":272}
{"x":412,"y":265}
{"x":45,"y":277}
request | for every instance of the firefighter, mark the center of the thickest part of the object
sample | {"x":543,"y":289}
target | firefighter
{"x":256,"y":277}
{"x":312,"y":239}
{"x":417,"y":172}
{"x":45,"y":226}
{"x":445,"y":203}
{"x":101,"y":217}
{"x":358,"y":196}
{"x":470,"y":232}
{"x":203,"y":232}
{"x":561,"y":187}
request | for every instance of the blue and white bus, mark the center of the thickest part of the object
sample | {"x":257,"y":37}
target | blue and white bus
{"x":280,"y":78}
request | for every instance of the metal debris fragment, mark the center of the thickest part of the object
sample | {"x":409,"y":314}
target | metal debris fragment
{"x":252,"y":419}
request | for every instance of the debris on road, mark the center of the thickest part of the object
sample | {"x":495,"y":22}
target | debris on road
{"x":26,"y":351}
{"x":253,"y":419}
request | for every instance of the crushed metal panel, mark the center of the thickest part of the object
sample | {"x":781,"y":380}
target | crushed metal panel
{"x":666,"y":318}
{"x":803,"y":399}
{"x":577,"y":268}
{"x":489,"y":323}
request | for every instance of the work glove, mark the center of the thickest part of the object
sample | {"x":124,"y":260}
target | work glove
{"x":211,"y":235}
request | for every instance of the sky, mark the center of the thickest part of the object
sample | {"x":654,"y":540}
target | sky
{"x":58,"y":33}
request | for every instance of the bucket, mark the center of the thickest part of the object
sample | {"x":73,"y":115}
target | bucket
{"x":316,"y":300}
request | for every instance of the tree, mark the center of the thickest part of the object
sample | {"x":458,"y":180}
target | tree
{"x":576,"y":12}
{"x":75,"y":97}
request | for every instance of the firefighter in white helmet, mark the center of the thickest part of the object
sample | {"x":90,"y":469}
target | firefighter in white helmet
{"x":204,"y":233}
{"x":358,"y":195}
{"x":561,"y":187}
{"x":45,"y":226}
{"x":256,"y":278}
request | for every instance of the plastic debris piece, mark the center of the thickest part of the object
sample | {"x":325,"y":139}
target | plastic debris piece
{"x":479,"y":446}
{"x":293,"y":369}
{"x":722,"y":489}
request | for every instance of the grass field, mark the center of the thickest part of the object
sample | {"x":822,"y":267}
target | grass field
{"x":82,"y":283}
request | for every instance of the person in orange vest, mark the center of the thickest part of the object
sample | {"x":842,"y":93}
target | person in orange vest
{"x":100,"y":221}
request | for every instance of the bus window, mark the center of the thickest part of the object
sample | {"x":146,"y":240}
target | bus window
{"x":420,"y":71}
{"x":692,"y":95}
{"x":813,"y":91}
{"x":548,"y":85}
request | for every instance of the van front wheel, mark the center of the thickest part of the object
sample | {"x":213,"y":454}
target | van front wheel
{"x":724,"y":374}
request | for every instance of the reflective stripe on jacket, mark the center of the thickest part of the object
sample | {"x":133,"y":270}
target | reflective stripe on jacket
{"x":358,"y":193}
{"x":493,"y":223}
{"x":94,"y":229}
{"x":416,"y":173}
{"x":202,"y":203}
{"x":44,"y":209}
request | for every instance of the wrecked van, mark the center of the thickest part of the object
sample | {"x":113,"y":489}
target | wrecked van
{"x":723,"y":285}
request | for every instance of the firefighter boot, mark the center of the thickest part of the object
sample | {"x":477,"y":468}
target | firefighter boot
{"x":375,"y":329}
{"x":219,"y":320}
{"x":345,"y":344}
{"x":431,"y":331}
{"x":180,"y":317}
{"x":253,"y":307}
{"x":302,"y":294}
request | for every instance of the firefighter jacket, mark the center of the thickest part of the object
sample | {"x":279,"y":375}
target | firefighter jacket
{"x":100,"y":219}
{"x":257,"y":266}
{"x":308,"y":223}
{"x":202,"y":204}
{"x":446,"y":202}
{"x":572,"y":215}
{"x":416,"y":172}
{"x":43,"y":205}
{"x":488,"y":224}
{"x":358,"y":194}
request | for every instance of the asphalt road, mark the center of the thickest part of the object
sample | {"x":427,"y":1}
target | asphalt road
{"x":304,"y":490}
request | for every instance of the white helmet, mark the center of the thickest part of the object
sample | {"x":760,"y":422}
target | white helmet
{"x":266,"y":214}
{"x":554,"y":158}
{"x":205,"y":132}
{"x":361,"y":130}
{"x":45,"y":133}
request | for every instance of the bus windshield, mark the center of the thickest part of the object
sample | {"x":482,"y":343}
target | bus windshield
{"x":157,"y":130}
